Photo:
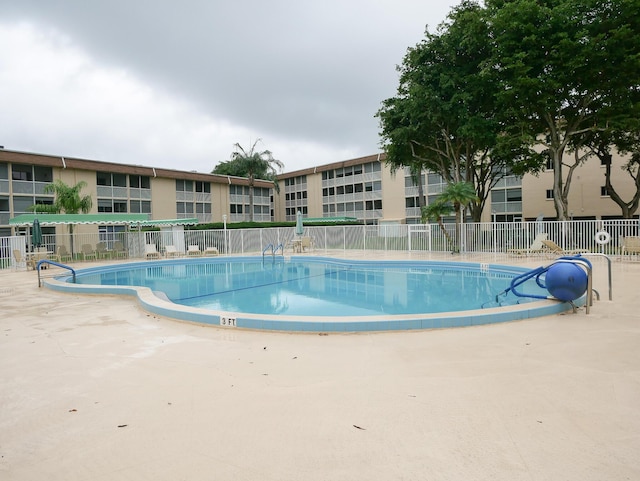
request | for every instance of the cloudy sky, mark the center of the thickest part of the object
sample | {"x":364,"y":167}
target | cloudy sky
{"x":176,"y":84}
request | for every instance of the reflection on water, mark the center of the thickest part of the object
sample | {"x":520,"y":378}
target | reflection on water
{"x":315,"y":288}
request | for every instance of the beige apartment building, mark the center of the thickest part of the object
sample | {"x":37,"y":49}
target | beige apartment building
{"x":120,"y":188}
{"x":363,"y":188}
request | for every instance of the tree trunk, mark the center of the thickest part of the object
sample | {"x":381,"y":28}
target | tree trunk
{"x":458,"y":210}
{"x":627,"y":208}
{"x":559,"y":198}
{"x":446,"y":234}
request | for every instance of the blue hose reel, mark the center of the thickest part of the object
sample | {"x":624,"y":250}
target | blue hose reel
{"x":565,"y":280}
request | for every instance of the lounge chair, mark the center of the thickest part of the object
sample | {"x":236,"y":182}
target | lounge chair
{"x":171,"y":251}
{"x":194,"y":251}
{"x":211,"y":251}
{"x":294,"y":244}
{"x":62,"y":254}
{"x":555,"y":249}
{"x":88,"y":252}
{"x":630,"y":245}
{"x":306,"y":243}
{"x":536,"y":246}
{"x":119,"y":250}
{"x":101,"y":251}
{"x":21,"y":261}
{"x":150,"y":252}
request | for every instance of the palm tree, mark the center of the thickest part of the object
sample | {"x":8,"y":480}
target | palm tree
{"x":256,"y":165}
{"x":435,"y":211}
{"x":67,"y":200}
{"x":454,"y":197}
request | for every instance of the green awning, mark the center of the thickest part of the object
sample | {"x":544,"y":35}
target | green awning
{"x":75,"y":219}
{"x":318,"y":220}
{"x":141,"y":220}
{"x":169,"y":222}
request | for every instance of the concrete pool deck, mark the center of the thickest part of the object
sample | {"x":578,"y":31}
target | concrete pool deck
{"x":95,"y":388}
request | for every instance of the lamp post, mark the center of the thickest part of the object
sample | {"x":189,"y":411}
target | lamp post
{"x":224,"y":221}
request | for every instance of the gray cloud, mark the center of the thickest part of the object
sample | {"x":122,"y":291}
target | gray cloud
{"x":295,"y":74}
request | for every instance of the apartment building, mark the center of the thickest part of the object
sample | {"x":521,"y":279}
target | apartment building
{"x":362,"y":188}
{"x":366,"y":189}
{"x":120,"y":188}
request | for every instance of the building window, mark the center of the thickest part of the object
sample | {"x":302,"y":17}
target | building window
{"x":203,"y":187}
{"x":140,"y":207}
{"x":412,"y":202}
{"x":549,"y":193}
{"x":22,"y":172}
{"x":203,"y":208}
{"x":111,"y":234}
{"x":184,"y":185}
{"x":372,"y":167}
{"x":109,"y":179}
{"x":549,"y":165}
{"x":603,"y":191}
{"x":514,"y":195}
{"x":139,"y":182}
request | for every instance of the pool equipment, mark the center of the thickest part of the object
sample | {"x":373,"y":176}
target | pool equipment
{"x":566,"y":279}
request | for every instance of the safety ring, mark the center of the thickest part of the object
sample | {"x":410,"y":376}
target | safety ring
{"x":602,"y":237}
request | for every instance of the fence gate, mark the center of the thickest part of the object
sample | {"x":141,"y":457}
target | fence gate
{"x":419,"y":238}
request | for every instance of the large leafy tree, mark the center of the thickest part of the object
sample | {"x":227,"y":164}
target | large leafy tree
{"x":68,"y":199}
{"x":444,"y":118}
{"x":565,"y":67}
{"x":252,"y":164}
{"x":626,"y":141}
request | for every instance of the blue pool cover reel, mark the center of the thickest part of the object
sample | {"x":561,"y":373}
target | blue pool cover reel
{"x":566,"y":281}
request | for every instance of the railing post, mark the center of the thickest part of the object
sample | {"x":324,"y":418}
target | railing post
{"x":364,"y":238}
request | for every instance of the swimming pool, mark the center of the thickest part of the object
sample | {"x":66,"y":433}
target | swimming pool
{"x":317,"y":293}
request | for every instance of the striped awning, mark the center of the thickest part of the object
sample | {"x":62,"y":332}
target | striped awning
{"x":318,"y":220}
{"x":141,"y":220}
{"x":75,"y":219}
{"x":168,"y":222}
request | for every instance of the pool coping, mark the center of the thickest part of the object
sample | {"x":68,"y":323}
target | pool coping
{"x":155,"y":304}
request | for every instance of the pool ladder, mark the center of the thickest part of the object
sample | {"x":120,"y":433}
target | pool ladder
{"x":274,"y":250}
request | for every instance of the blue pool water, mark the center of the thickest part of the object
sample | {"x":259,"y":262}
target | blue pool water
{"x":316,"y":286}
{"x":315,"y":294}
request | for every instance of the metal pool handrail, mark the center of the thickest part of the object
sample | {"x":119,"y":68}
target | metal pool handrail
{"x":274,"y":250}
{"x":53,"y":263}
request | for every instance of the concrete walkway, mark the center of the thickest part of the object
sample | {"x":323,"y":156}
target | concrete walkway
{"x":93,"y":388}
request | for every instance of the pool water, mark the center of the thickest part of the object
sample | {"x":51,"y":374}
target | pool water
{"x":318,"y":286}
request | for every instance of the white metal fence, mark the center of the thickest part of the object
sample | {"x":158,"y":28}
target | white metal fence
{"x":474,"y":238}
